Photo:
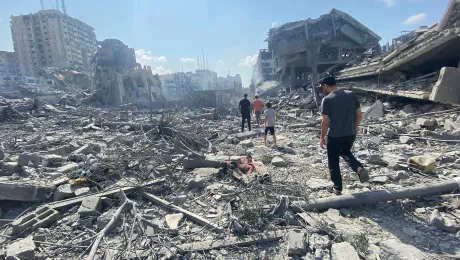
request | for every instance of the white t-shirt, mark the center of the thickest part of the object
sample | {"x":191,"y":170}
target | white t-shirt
{"x":270,"y":116}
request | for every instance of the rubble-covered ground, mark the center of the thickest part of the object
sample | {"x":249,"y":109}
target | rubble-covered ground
{"x":82,"y":182}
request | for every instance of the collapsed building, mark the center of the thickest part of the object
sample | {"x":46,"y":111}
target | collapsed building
{"x":425,"y":67}
{"x":118,"y":79}
{"x":302,"y":49}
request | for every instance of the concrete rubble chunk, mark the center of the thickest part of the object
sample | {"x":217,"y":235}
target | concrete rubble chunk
{"x":24,"y":192}
{"x":376,"y":159}
{"x":88,"y":149}
{"x":196,"y":182}
{"x":24,"y":159}
{"x":90,"y":206}
{"x":23,"y":249}
{"x":278,"y":162}
{"x":439,"y":222}
{"x":407,"y":109}
{"x":406,"y":139}
{"x":67,"y":168}
{"x":205,"y":172}
{"x":317,"y":241}
{"x":426,"y":122}
{"x":105,"y":218}
{"x":297,"y":244}
{"x":64,"y":192}
{"x":2,"y":154}
{"x":179,"y":199}
{"x":317,"y":184}
{"x":379,"y":179}
{"x":173,"y":220}
{"x":376,"y":110}
{"x":194,"y":162}
{"x":425,"y":163}
{"x":451,"y":125}
{"x":396,"y":250}
{"x":247,"y":143}
{"x":344,"y":251}
{"x":388,"y":133}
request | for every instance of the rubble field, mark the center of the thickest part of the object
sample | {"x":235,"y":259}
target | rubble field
{"x":85,"y":182}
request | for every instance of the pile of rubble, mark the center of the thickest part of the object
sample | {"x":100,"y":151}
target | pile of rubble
{"x":123,"y":183}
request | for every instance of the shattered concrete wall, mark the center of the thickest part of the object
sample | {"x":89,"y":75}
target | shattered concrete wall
{"x":447,"y":88}
{"x":210,"y":98}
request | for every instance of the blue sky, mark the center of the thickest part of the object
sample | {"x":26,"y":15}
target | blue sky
{"x":169,"y":34}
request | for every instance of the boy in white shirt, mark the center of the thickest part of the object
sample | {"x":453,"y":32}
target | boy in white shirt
{"x":269,"y":122}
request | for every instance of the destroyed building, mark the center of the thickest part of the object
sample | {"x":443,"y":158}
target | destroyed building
{"x":302,"y":49}
{"x":264,"y":68}
{"x":50,"y":38}
{"x":425,"y":67}
{"x":119,"y":79}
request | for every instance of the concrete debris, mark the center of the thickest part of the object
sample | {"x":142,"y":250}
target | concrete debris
{"x":278,"y":162}
{"x":90,"y":206}
{"x":393,"y":249}
{"x":344,"y":251}
{"x":21,"y":249}
{"x":247,"y":143}
{"x":318,"y":242}
{"x":374,"y":111}
{"x":173,"y":220}
{"x":439,"y":222}
{"x":297,"y":243}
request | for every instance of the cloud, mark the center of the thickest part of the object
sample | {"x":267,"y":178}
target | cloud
{"x":389,"y":3}
{"x":146,"y":57}
{"x":275,"y":24}
{"x":415,"y":19}
{"x":187,"y":60}
{"x":249,"y":61}
{"x":161,"y":70}
{"x":220,"y":61}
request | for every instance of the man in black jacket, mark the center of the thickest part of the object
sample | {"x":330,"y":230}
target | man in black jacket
{"x":245,"y":108}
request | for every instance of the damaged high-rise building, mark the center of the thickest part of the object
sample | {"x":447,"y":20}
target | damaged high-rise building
{"x":119,"y":79}
{"x":424,"y":67}
{"x":302,"y":49}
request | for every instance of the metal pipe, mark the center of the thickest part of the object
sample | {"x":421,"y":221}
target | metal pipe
{"x":373,"y":197}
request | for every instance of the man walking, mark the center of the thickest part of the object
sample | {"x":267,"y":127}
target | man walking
{"x":257,"y":104}
{"x":245,"y":109}
{"x":341,"y":115}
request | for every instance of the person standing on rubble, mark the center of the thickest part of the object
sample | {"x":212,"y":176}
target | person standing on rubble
{"x":257,"y":104}
{"x":245,"y":109}
{"x":341,"y":115}
{"x":269,"y":122}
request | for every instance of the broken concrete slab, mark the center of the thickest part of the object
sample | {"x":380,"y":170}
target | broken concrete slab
{"x":297,"y":244}
{"x":250,"y":134}
{"x":86,"y":149}
{"x":318,"y":242}
{"x":53,"y":160}
{"x":67,"y":168}
{"x":278,"y":162}
{"x":394,"y":249}
{"x":205,"y":172}
{"x":376,"y":159}
{"x":344,"y":251}
{"x":64,"y":192}
{"x":63,"y":150}
{"x":317,"y":184}
{"x":24,"y":159}
{"x":247,"y":143}
{"x":439,"y":222}
{"x":406,"y":139}
{"x":24,"y":192}
{"x":426,"y":122}
{"x":173,"y":220}
{"x":376,"y":110}
{"x":445,"y":89}
{"x":23,"y":249}
{"x":451,"y":125}
{"x":90,"y":206}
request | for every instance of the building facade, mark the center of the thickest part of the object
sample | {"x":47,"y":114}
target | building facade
{"x":9,"y":64}
{"x":265,"y":67}
{"x":50,"y":38}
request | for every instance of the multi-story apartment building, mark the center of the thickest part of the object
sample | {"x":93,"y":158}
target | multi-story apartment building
{"x":264,"y":68}
{"x":50,"y":38}
{"x":9,"y":64}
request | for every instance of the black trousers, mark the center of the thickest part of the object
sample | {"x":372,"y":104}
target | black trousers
{"x":244,"y":117}
{"x":340,"y":147}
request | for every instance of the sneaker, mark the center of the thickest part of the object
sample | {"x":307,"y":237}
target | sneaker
{"x":363,"y":175}
{"x":334,"y":190}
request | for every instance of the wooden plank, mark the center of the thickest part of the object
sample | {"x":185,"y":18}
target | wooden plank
{"x":233,"y":241}
{"x":198,"y":219}
{"x":68,"y":202}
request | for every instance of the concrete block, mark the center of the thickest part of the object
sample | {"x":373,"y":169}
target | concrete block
{"x":90,"y":206}
{"x":344,"y":251}
{"x":395,"y":250}
{"x":25,"y":159}
{"x":64,"y":192}
{"x":23,"y":249}
{"x":88,"y":149}
{"x":278,"y":162}
{"x":192,"y":163}
{"x":24,"y":192}
{"x":196,"y":182}
{"x":63,"y":150}
{"x":374,"y":111}
{"x":10,"y":168}
{"x":42,"y":217}
{"x":67,"y":168}
{"x":446,"y":89}
{"x":296,"y":243}
{"x":438,"y":221}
